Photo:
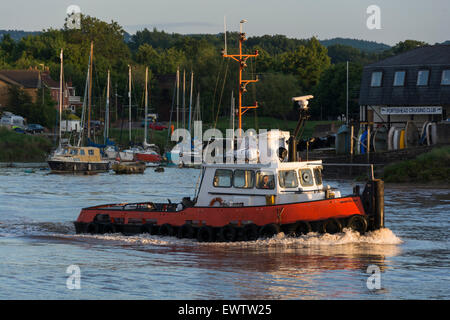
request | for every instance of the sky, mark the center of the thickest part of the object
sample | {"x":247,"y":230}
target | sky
{"x":427,"y":21}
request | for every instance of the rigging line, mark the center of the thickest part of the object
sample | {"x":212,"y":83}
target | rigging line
{"x":221,"y":93}
{"x":215,"y":89}
{"x":171,"y":111}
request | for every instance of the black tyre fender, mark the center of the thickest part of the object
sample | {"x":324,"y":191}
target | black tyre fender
{"x":300,"y":228}
{"x":228,"y":233}
{"x":331,"y":226}
{"x":250,"y":232}
{"x":206,"y":234}
{"x":92,"y":228}
{"x":186,"y":231}
{"x":166,"y":230}
{"x":357,"y":223}
{"x":108,"y":228}
{"x":149,"y":228}
{"x":269,"y":230}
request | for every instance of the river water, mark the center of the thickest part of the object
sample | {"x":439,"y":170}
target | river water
{"x":38,"y":245}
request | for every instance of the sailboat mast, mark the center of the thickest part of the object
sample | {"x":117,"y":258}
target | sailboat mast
{"x":90,"y":90}
{"x":146,"y":105}
{"x":178,"y":97}
{"x":184,"y":99}
{"x":190,"y":102}
{"x":60,"y":95}
{"x":129,"y":103}
{"x":106,"y":132}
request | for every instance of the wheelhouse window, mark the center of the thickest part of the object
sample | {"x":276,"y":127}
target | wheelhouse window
{"x":244,"y":179}
{"x":288,"y":179}
{"x":265,"y":180}
{"x":422,"y":77}
{"x":82,"y":153}
{"x":222,"y":178}
{"x":376,"y":79}
{"x":91,"y":152}
{"x":74,"y":152}
{"x":399,"y":78}
{"x":445,"y":77}
{"x":306,"y":177}
{"x":318,"y":176}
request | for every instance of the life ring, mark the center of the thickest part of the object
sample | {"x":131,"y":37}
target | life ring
{"x":213,"y":201}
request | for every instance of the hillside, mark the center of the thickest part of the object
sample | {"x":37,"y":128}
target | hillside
{"x":363,"y":45}
{"x":18,"y":34}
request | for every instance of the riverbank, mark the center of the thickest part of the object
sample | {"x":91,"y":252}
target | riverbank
{"x":431,"y":167}
{"x":19,"y":147}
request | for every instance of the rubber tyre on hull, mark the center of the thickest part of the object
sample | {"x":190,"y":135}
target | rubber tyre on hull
{"x":206,"y":234}
{"x":186,"y":231}
{"x":108,"y":228}
{"x":92,"y":228}
{"x":250,"y":232}
{"x":166,"y":230}
{"x":331,"y":226}
{"x":358,"y":223}
{"x":227,"y":233}
{"x":300,"y":228}
{"x":150,"y":228}
{"x":269,"y":230}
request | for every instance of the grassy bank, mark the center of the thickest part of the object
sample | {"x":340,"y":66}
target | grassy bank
{"x":427,"y":167}
{"x":19,"y":147}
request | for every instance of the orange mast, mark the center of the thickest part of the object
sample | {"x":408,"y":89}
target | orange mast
{"x":242,"y":58}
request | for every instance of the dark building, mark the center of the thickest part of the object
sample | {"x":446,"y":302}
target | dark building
{"x":413,"y":86}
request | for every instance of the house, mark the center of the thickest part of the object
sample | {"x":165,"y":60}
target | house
{"x":31,"y":81}
{"x":414,"y":86}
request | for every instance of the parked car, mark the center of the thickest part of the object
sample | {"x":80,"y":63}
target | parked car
{"x":34,"y":128}
{"x":154,"y":125}
{"x":18,"y":129}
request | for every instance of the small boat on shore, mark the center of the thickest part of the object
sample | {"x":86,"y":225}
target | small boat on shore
{"x":137,"y":167}
{"x":85,"y":160}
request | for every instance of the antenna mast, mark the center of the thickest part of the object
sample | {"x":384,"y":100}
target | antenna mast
{"x":242,"y":58}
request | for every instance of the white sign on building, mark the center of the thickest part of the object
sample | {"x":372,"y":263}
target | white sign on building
{"x":411,"y":110}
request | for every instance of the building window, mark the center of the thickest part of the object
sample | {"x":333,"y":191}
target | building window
{"x":422,"y":77}
{"x":445,"y":77}
{"x":222,"y":178}
{"x":376,"y":79}
{"x":265,"y":180}
{"x":288,"y":179}
{"x":399,"y":78}
{"x":244,"y":179}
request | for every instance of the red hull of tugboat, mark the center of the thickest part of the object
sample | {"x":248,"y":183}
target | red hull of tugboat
{"x":227,"y":223}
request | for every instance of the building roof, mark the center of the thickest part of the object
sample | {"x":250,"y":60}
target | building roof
{"x":429,"y":55}
{"x":24,"y":78}
{"x":435,"y":59}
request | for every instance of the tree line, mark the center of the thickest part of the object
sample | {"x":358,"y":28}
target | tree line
{"x":285,"y":67}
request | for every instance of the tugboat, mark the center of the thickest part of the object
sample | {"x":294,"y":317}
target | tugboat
{"x":242,"y":200}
